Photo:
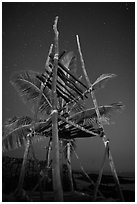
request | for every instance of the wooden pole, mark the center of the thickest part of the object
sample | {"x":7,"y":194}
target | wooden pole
{"x":104,"y":138}
{"x":48,"y":58}
{"x":48,"y":154}
{"x":69,"y":165}
{"x":57,"y":186}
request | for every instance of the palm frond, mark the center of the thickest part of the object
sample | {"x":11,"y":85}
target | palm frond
{"x":45,"y":102}
{"x":76,"y":107}
{"x":29,"y":88}
{"x":10,"y":120}
{"x":15,"y":132}
{"x":67,"y":59}
{"x":105,"y":111}
{"x":90,"y":122}
{"x":26,"y":84}
{"x":101,"y":81}
{"x":43,"y":127}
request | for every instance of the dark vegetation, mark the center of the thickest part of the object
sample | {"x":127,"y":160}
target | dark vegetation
{"x":10,"y":175}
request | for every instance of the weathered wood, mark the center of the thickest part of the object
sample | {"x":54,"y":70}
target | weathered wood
{"x":104,"y":138}
{"x":69,"y":165}
{"x":68,"y":72}
{"x":57,"y":186}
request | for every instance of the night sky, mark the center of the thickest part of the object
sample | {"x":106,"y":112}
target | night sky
{"x":107,"y":35}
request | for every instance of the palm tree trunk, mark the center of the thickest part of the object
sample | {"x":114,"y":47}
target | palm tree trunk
{"x":38,"y":172}
{"x":24,"y":163}
{"x":57,"y":186}
{"x":28,"y":145}
{"x":47,"y":166}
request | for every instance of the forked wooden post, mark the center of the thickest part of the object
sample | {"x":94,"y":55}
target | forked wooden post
{"x":104,"y":138}
{"x":57,"y":186}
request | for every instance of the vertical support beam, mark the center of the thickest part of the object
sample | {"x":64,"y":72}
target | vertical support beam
{"x":104,"y":138}
{"x":48,"y":59}
{"x":61,"y":160}
{"x":69,"y":165}
{"x":48,"y":154}
{"x":57,"y":186}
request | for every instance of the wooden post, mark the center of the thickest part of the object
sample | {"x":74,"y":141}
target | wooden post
{"x":104,"y":138}
{"x":48,"y":154}
{"x":69,"y":165}
{"x":57,"y":186}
